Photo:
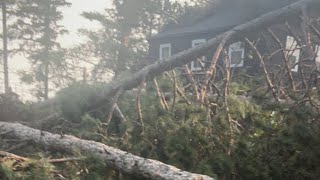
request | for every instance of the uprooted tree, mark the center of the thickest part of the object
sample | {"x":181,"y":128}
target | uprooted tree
{"x":110,"y":95}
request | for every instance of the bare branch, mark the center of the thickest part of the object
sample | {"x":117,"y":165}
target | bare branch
{"x":189,"y":55}
{"x":265,"y":71}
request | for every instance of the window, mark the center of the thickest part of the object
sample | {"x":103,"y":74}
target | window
{"x":317,"y":53}
{"x":236,"y":54}
{"x":195,"y":65}
{"x":293,"y":53}
{"x":165,"y":51}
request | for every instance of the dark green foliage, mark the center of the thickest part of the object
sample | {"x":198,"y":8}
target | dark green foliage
{"x":26,"y":170}
{"x":38,"y":29}
{"x":75,"y":100}
{"x":270,"y":141}
{"x":13,"y":109}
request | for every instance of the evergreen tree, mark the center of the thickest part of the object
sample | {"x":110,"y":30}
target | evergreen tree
{"x":121,"y":43}
{"x":6,"y":8}
{"x":39,"y":31}
{"x":5,"y":46}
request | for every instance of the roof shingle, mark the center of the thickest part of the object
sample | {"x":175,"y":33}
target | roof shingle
{"x":229,"y":15}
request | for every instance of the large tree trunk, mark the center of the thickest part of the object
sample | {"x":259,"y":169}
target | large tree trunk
{"x":185,"y":57}
{"x":46,"y":81}
{"x":189,"y":55}
{"x":47,"y":52}
{"x":5,"y":47}
{"x":115,"y":158}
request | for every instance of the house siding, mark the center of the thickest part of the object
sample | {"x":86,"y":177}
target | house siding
{"x":178,"y":44}
{"x":266,"y":46}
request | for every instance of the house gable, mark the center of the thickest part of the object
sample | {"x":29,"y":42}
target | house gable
{"x":183,"y":38}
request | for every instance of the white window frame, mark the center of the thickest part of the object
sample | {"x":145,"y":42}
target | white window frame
{"x":193,"y":44}
{"x":162,"y":46}
{"x":317,"y":48}
{"x":231,"y":49}
{"x":317,"y":54}
{"x":292,"y":43}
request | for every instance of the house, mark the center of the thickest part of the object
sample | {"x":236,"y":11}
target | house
{"x":226,"y":15}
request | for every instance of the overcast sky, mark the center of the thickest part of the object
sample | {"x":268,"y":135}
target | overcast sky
{"x":74,"y":21}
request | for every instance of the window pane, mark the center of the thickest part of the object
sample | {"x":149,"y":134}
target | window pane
{"x":236,"y":46}
{"x":292,"y":61}
{"x":236,"y":57}
{"x":318,"y":53}
{"x":198,"y":43}
{"x":196,"y":65}
{"x":292,"y":48}
{"x":236,"y":54}
{"x":165,"y":52}
{"x":291,"y":43}
{"x":293,"y":52}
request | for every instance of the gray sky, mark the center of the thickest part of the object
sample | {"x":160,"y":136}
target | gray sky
{"x":73,"y":20}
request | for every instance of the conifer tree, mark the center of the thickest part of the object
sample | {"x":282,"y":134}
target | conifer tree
{"x":39,"y":31}
{"x":5,"y":46}
{"x":121,"y":43}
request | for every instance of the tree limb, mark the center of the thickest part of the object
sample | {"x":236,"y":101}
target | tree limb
{"x":113,"y":157}
{"x":191,"y":54}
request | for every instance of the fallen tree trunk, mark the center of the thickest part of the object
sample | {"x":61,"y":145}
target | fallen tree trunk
{"x":191,"y":54}
{"x":113,"y":157}
{"x":185,"y":57}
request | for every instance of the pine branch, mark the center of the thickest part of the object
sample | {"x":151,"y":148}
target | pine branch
{"x":189,"y":55}
{"x":115,"y":158}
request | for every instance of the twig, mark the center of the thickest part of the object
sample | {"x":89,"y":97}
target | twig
{"x":163,"y":101}
{"x":179,"y":91}
{"x":315,"y":30}
{"x":115,"y":158}
{"x":284,"y":57}
{"x":293,"y":34}
{"x":62,"y":160}
{"x":225,"y":98}
{"x":187,"y":56}
{"x":214,"y":64}
{"x":119,"y":113}
{"x":174,"y":90}
{"x":265,"y":71}
{"x":20,"y":158}
{"x":138,"y":105}
{"x":306,"y":30}
{"x":13,"y":156}
{"x":113,"y":106}
{"x":193,"y":81}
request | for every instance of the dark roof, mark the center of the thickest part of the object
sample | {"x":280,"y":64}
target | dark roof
{"x":227,"y":15}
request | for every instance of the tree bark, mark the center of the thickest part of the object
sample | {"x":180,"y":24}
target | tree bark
{"x":5,"y":47}
{"x":113,"y":157}
{"x":189,"y":55}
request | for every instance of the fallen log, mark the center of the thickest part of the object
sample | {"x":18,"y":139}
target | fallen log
{"x":185,"y":57}
{"x":113,"y":157}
